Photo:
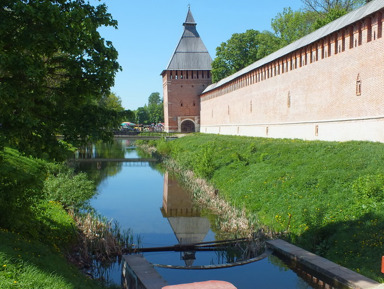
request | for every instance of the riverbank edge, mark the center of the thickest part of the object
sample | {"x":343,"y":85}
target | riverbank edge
{"x":51,"y":247}
{"x":335,"y":274}
{"x":231,"y":220}
{"x":312,"y":268}
{"x":320,"y":267}
{"x":285,"y":234}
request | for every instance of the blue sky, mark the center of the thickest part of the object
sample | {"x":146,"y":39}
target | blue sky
{"x":149,"y":31}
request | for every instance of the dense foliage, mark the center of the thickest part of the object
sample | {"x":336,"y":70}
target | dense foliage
{"x":327,"y":197}
{"x":151,"y":113}
{"x":27,"y":185}
{"x":241,"y":50}
{"x":290,"y":25}
{"x":55,"y":75}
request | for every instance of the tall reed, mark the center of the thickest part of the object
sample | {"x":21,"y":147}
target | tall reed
{"x":99,"y":240}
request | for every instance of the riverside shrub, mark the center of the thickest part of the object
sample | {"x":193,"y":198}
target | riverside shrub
{"x":370,"y":187}
{"x":71,"y":190}
{"x":205,"y":167}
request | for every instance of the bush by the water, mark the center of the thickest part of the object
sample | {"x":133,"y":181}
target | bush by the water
{"x":35,"y":228}
{"x":70,"y":189}
{"x":327,"y":197}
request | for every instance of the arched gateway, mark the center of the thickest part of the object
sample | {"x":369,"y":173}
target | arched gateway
{"x":187,"y":75}
{"x":188,"y":126}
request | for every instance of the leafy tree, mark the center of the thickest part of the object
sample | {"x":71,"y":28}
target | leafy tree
{"x":113,"y":102}
{"x":333,"y":14}
{"x":151,"y":113}
{"x":156,"y":113}
{"x":329,"y":10}
{"x":292,"y":25}
{"x":142,"y":116}
{"x":326,"y":6}
{"x":55,"y":73}
{"x":155,"y":108}
{"x":128,"y":115}
{"x":154,"y":99}
{"x":240,"y":50}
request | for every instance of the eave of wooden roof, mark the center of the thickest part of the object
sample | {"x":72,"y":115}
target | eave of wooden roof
{"x":322,"y":32}
{"x":190,"y":53}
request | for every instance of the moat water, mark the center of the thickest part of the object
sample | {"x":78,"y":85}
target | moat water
{"x":147,"y":200}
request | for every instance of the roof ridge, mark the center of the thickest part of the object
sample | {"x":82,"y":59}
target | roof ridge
{"x":190,"y":52}
{"x":189,"y":20}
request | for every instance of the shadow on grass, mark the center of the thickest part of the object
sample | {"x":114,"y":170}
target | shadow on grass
{"x":357,"y":244}
{"x":40,"y":246}
{"x":37,"y":265}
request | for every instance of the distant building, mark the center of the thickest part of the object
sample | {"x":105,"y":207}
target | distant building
{"x":185,"y":78}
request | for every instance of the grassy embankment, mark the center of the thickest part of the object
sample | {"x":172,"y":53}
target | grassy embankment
{"x":36,"y":230}
{"x":326,"y":197}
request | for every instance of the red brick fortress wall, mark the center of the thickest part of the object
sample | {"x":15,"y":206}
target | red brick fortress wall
{"x":331,"y":89}
{"x":181,"y":90}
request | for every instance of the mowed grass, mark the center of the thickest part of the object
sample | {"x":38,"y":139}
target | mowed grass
{"x":326,"y":197}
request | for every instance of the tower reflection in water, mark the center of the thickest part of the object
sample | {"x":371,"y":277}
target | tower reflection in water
{"x":185,"y":219}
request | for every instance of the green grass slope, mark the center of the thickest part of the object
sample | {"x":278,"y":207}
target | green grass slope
{"x":34,"y":230}
{"x":327,"y":196}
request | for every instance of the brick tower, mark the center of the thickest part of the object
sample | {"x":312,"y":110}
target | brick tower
{"x":187,"y":75}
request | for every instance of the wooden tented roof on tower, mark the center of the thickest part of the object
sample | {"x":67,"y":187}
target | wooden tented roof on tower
{"x":190,"y":53}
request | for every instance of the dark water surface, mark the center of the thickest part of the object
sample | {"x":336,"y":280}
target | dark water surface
{"x":159,"y":212}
